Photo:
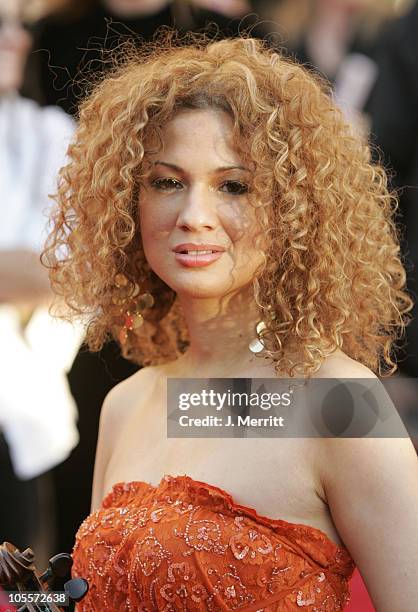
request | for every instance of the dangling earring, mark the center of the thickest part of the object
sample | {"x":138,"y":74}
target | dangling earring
{"x":257,"y":345}
{"x":133,"y":318}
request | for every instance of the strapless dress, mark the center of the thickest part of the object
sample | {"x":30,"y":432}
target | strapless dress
{"x":187,"y":545}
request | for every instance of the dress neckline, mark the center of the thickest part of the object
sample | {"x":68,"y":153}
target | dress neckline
{"x":167,"y":482}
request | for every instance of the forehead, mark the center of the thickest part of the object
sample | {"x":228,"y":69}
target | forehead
{"x":205,"y":132}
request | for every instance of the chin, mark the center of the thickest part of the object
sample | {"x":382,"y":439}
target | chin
{"x":202,"y":283}
{"x":199,"y":288}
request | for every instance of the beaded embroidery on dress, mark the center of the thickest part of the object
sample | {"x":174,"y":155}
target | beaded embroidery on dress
{"x":187,"y":546}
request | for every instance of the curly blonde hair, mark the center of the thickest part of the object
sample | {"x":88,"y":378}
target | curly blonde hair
{"x":333,"y":276}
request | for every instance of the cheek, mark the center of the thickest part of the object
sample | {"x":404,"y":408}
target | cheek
{"x":239,"y":221}
{"x":156,"y":223}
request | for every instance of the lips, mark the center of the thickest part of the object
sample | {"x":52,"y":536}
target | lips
{"x":192,"y":255}
{"x":191,"y":246}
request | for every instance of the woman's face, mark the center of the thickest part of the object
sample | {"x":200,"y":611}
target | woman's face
{"x":198,"y":227}
{"x":14,"y":46}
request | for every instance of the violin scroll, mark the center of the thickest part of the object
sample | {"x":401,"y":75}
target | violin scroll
{"x":14,"y":565}
{"x":18,"y":573}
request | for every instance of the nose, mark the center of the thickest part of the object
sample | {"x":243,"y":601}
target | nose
{"x":198,"y":210}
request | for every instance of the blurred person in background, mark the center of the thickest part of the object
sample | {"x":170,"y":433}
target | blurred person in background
{"x":323,"y":32}
{"x":37,"y":412}
{"x":338,"y":37}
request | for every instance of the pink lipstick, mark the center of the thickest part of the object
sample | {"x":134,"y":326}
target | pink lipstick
{"x":192,"y":255}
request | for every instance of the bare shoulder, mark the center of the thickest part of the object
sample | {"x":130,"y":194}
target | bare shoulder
{"x":340,"y":365}
{"x":119,"y":399}
{"x":118,"y":406}
{"x":124,"y":397}
{"x":127,"y":399}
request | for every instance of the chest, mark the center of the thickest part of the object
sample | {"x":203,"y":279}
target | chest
{"x":276,"y":477}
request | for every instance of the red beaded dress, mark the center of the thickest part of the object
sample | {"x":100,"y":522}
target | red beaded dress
{"x":186,"y":545}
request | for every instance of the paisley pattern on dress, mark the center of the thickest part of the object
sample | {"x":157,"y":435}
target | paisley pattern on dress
{"x":186,"y":545}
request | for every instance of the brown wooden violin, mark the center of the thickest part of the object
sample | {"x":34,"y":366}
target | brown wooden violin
{"x":31,"y":591}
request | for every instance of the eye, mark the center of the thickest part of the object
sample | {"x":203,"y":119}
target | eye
{"x":166,"y":184}
{"x":234,"y":187}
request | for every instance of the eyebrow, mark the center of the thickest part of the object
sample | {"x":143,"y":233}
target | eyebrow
{"x":178,"y":169}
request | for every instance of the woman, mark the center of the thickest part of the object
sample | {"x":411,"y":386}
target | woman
{"x":213,"y":186}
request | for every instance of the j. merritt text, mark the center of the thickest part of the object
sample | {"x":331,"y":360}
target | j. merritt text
{"x":216,"y":421}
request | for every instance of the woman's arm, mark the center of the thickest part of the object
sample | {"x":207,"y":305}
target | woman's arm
{"x":371,"y":486}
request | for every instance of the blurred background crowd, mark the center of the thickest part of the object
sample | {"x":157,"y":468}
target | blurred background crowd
{"x":51,"y":51}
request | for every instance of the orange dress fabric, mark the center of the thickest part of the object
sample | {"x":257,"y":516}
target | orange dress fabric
{"x":186,"y":545}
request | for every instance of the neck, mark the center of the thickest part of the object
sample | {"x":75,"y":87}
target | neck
{"x":220,"y":332}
